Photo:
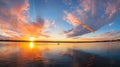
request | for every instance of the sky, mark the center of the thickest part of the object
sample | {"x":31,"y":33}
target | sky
{"x":60,"y":19}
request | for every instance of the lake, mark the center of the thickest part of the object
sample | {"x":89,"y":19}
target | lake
{"x":30,"y":54}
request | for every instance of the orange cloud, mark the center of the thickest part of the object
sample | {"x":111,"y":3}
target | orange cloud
{"x":15,"y":22}
{"x":87,"y":28}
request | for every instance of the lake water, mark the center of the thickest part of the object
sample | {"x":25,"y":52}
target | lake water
{"x":13,"y":54}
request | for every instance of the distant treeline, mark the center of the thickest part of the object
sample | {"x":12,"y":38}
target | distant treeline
{"x":117,"y":40}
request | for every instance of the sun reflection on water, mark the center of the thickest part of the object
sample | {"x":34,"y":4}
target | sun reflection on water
{"x":31,"y":45}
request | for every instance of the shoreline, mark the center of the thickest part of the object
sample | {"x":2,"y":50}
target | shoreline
{"x":117,"y":40}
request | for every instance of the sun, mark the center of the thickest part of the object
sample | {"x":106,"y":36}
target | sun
{"x":32,"y":38}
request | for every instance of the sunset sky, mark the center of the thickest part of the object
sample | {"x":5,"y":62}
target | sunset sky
{"x":60,"y":19}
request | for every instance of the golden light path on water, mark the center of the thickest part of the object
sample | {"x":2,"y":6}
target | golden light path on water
{"x":31,"y":45}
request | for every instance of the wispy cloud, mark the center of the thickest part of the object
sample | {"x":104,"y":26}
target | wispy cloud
{"x":109,"y":35}
{"x":67,"y":2}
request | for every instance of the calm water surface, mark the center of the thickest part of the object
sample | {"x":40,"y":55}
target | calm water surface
{"x":63,"y":55}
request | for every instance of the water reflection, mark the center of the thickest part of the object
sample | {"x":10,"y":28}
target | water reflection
{"x":31,"y":45}
{"x":63,"y":55}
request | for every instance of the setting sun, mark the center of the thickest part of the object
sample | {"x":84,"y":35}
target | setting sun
{"x":32,"y":38}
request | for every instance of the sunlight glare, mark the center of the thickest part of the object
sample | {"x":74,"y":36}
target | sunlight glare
{"x":32,"y":38}
{"x":31,"y":45}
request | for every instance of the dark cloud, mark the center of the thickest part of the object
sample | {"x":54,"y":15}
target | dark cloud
{"x":91,"y":15}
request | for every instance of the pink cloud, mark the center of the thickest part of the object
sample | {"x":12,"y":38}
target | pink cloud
{"x":86,"y":5}
{"x":111,"y":10}
{"x":71,"y":18}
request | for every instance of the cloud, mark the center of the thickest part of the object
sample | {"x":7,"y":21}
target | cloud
{"x":67,"y":2}
{"x":12,"y":12}
{"x":37,"y":26}
{"x":53,"y":24}
{"x":110,"y":24}
{"x":110,"y":35}
{"x":71,"y":18}
{"x":91,"y":15}
{"x":14,"y":21}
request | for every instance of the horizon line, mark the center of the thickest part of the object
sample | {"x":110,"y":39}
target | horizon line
{"x":44,"y":41}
